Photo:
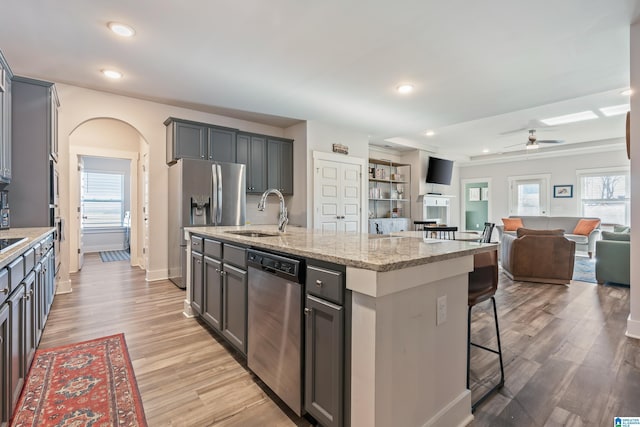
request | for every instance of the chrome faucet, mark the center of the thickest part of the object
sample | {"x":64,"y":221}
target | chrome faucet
{"x":283,"y":220}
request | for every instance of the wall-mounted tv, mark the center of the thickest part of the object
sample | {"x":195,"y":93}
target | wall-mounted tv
{"x":439,"y":171}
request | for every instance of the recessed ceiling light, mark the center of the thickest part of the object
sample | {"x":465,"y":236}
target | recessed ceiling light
{"x":121,"y":29}
{"x":112,"y":74}
{"x":570,"y":118}
{"x":405,"y":88}
{"x":429,"y":133}
{"x":486,"y":150}
{"x":627,"y":92}
{"x":615,"y":110}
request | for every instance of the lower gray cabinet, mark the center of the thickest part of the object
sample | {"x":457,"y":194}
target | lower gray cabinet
{"x":17,"y":360}
{"x":5,"y":409}
{"x":197,"y":282}
{"x":234,"y":307}
{"x":324,"y":361}
{"x":212,"y":311}
{"x":30,"y":320}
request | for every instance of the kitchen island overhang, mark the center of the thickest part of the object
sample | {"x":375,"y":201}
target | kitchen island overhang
{"x":406,"y":366}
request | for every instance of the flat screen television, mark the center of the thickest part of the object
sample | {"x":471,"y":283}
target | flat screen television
{"x":439,"y":171}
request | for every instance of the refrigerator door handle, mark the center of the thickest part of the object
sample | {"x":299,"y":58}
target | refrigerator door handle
{"x":218,"y":189}
{"x":214,"y":194}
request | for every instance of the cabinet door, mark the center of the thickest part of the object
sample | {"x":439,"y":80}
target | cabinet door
{"x":53,"y":123}
{"x":258,"y":164}
{"x":234,"y":308}
{"x":197,"y":285}
{"x":243,"y":143}
{"x":222,"y":145}
{"x":5,"y":125}
{"x":16,"y":345}
{"x":212,"y":310}
{"x":39,"y":299}
{"x":324,"y":361}
{"x":30,"y":321}
{"x":5,"y":410}
{"x":190,"y":141}
{"x":280,"y":165}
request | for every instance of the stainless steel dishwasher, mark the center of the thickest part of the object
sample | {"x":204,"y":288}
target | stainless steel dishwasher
{"x":275,"y":337}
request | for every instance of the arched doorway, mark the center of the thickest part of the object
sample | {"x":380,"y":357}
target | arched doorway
{"x":109,"y":138}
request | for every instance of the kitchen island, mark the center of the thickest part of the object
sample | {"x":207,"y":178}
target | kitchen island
{"x":406,"y":363}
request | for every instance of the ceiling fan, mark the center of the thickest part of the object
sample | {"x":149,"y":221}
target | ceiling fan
{"x":533,"y":142}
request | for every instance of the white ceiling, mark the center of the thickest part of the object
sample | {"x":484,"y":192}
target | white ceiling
{"x":479,"y":68}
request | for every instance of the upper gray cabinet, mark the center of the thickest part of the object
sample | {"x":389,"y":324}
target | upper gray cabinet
{"x":5,"y":121}
{"x":252,"y":151}
{"x":193,"y":140}
{"x":280,"y":164}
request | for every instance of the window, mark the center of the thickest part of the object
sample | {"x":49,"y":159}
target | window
{"x":605,"y":195}
{"x":528,"y":195}
{"x":102,"y":199}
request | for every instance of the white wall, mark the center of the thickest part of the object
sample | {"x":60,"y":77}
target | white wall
{"x":633,"y":324}
{"x":562,"y":169}
{"x":79,"y":105}
{"x":298,"y":205}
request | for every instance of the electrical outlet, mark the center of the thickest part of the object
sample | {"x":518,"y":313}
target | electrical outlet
{"x":441,"y":312}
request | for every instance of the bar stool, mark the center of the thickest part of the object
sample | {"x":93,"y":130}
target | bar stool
{"x":483,"y":283}
{"x":441,"y":232}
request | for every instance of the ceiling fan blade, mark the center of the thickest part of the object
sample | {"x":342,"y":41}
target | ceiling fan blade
{"x":549,"y":141}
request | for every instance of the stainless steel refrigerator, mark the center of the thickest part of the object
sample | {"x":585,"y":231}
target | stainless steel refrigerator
{"x":201,"y":193}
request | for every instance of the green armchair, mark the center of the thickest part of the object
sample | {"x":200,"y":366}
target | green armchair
{"x":613,"y":258}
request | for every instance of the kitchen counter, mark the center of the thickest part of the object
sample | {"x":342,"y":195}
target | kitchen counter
{"x":407,"y":317}
{"x":33,"y":235}
{"x":365,"y":251}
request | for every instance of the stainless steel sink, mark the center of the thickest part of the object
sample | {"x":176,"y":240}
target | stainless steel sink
{"x":250,"y":233}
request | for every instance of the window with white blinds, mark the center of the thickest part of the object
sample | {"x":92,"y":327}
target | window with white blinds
{"x":606,"y":195}
{"x":102,"y":199}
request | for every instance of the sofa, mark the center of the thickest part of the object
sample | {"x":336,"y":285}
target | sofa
{"x":586,"y":243}
{"x":545,"y":256}
{"x":613,"y":257}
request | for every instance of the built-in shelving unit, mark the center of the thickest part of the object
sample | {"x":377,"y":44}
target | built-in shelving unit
{"x":389,"y":195}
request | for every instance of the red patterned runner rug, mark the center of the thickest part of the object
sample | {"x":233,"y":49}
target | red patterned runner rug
{"x":85,"y":384}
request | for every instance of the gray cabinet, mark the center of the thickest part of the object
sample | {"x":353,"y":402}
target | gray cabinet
{"x":5,"y":121}
{"x":34,"y":128}
{"x":17,"y":352}
{"x":234,"y":307}
{"x":5,"y":409}
{"x":324,"y":346}
{"x":251,"y":150}
{"x":222,"y":144}
{"x":30,"y":320}
{"x":197,"y":283}
{"x":212,"y":311}
{"x":193,"y":140}
{"x":280,"y":165}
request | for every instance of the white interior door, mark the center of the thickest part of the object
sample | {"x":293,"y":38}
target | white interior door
{"x":145,"y":210}
{"x":338,"y":196}
{"x":80,"y":210}
{"x":529,"y":195}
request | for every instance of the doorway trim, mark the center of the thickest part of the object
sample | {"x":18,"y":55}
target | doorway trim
{"x":463,"y":199}
{"x":546,"y":181}
{"x":74,"y":198}
{"x":339,"y":158}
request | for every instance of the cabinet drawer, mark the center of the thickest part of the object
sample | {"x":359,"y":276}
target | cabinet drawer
{"x":4,"y":285}
{"x":212,"y":248}
{"x":235,"y":255}
{"x":16,"y":273}
{"x":29,"y":260}
{"x":197,"y":243}
{"x":327,"y":284}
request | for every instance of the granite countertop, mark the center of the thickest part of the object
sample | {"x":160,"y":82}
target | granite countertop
{"x":33,"y":235}
{"x":366,"y":251}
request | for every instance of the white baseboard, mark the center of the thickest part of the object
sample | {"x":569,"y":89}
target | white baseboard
{"x":188,"y":311}
{"x":63,"y":287}
{"x":633,"y":328}
{"x":456,"y":413}
{"x":155,"y":275}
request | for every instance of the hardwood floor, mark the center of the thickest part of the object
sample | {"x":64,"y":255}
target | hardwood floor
{"x":567,"y":361}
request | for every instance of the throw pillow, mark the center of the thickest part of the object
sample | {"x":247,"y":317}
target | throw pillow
{"x":586,"y":226}
{"x":621,"y":229}
{"x":612,"y":235}
{"x":531,"y":232}
{"x":512,"y":224}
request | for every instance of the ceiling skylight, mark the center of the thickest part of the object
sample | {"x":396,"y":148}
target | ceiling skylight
{"x":615,"y":110}
{"x":570,"y":118}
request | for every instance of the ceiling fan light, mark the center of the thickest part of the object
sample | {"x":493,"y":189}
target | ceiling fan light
{"x":532,"y":145}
